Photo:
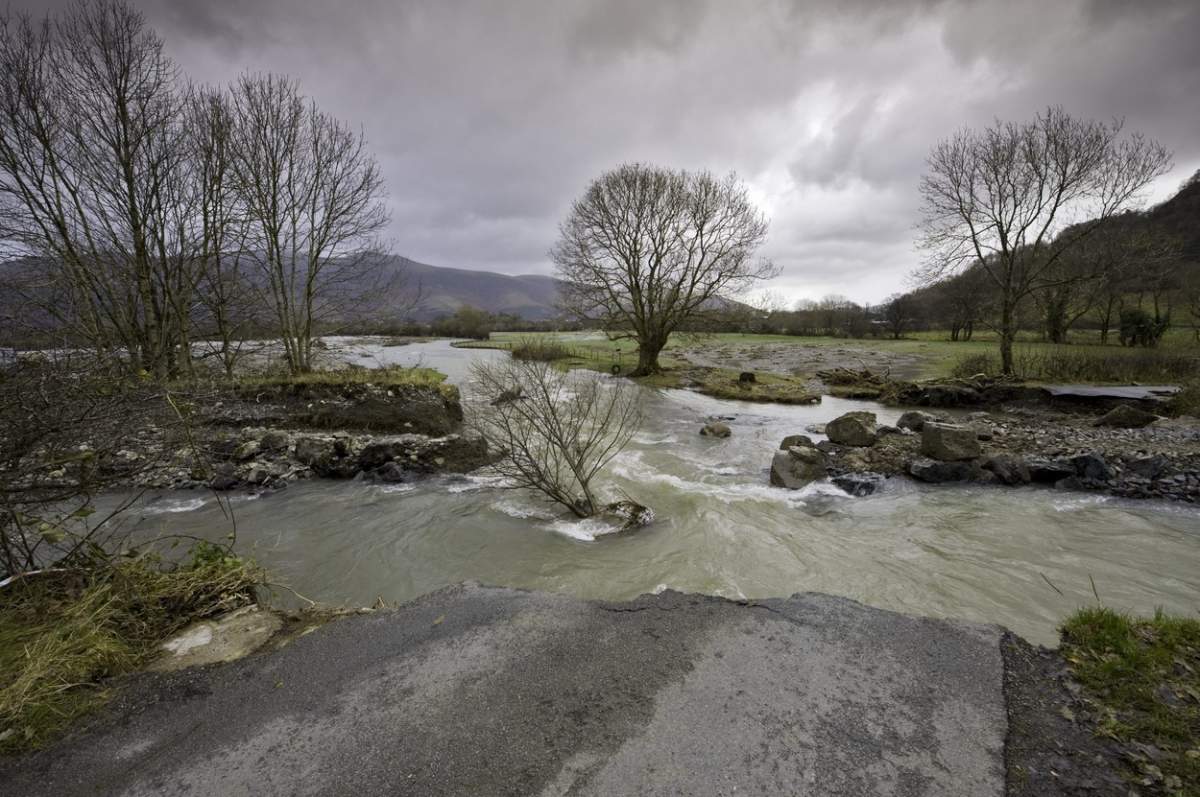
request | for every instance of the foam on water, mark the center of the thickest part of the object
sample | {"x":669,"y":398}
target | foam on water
{"x":171,"y":506}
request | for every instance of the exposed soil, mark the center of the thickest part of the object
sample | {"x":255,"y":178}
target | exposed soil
{"x":1052,"y":748}
{"x":803,"y":359}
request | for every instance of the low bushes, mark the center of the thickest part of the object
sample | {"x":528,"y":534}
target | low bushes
{"x":541,"y":349}
{"x":1086,"y":364}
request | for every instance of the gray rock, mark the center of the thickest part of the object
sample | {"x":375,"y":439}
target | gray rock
{"x":1008,"y":469}
{"x":797,"y":467}
{"x":375,"y":454}
{"x":802,"y":440}
{"x":915,"y":420}
{"x":275,"y":440}
{"x":1049,"y":471}
{"x":257,"y":475}
{"x":224,"y":477}
{"x":246,"y":451}
{"x":716,"y":430}
{"x":1091,"y":467}
{"x":1152,"y":467}
{"x":815,"y":428}
{"x":1126,"y":416}
{"x":314,"y":452}
{"x":936,"y":471}
{"x":859,"y":484}
{"x":949,"y":442}
{"x":853,"y":429}
{"x":392,"y":473}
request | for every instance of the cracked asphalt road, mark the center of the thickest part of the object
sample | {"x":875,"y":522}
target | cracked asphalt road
{"x":484,"y":691}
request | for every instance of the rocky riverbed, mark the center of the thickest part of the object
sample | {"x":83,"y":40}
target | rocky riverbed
{"x":259,"y":436}
{"x":1126,"y":452}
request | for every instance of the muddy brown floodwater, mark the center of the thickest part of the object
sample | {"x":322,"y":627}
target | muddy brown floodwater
{"x":983,"y":553}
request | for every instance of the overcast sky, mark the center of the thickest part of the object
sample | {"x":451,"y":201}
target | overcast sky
{"x":489,"y":117}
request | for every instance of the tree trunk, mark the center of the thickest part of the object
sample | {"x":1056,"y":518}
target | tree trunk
{"x":648,"y":358}
{"x":1007,"y":334}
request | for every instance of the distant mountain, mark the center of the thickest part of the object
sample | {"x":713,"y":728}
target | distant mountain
{"x":444,"y":290}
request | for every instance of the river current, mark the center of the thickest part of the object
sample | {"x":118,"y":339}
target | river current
{"x":1022,"y":558}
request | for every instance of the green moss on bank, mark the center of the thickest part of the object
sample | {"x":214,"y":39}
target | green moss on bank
{"x":1143,"y":675}
{"x":63,"y":634}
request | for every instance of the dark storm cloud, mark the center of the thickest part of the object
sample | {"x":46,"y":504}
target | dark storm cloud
{"x":488,"y":118}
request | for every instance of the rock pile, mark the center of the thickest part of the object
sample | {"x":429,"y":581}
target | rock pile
{"x":1117,"y":454}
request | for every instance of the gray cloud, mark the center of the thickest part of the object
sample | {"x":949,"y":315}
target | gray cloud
{"x":488,"y":118}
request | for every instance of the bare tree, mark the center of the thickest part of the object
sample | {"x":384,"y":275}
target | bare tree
{"x":647,"y":251}
{"x":555,"y":431}
{"x":313,"y":196}
{"x":92,"y":177}
{"x":227,"y":299}
{"x":1013,"y":198}
{"x":899,"y":312}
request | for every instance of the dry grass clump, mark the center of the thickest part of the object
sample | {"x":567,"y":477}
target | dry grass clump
{"x":63,"y":633}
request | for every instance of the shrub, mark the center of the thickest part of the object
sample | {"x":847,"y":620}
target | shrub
{"x":1086,"y":364}
{"x":541,"y":350}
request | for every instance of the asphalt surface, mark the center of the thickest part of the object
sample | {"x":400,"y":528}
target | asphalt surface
{"x":483,"y":691}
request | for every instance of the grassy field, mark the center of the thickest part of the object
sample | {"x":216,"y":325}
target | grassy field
{"x":939,"y":357}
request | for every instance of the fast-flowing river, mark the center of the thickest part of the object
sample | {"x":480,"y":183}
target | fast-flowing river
{"x":983,"y":553}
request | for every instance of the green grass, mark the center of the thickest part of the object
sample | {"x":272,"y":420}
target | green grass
{"x":938,"y":356}
{"x":393,"y":376}
{"x":1143,"y":675}
{"x":62,"y":635}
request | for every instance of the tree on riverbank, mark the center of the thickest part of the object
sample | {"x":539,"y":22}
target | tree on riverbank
{"x":1016,"y":198}
{"x":554,"y":431}
{"x":649,"y":251}
{"x":143,"y":212}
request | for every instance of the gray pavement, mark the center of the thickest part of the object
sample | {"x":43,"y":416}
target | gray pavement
{"x":484,"y":691}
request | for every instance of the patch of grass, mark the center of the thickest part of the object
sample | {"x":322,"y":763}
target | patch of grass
{"x":1086,"y":364}
{"x":63,"y":634}
{"x":1144,"y":677}
{"x":393,"y":376}
{"x":766,"y":388}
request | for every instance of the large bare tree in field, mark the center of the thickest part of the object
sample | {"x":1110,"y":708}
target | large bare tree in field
{"x":92,"y":178}
{"x":313,"y":195}
{"x":1016,"y":197}
{"x":648,"y":251}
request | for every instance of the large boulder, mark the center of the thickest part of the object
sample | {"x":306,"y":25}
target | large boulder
{"x":859,"y":484}
{"x":1008,"y":469}
{"x":853,"y":429}
{"x":1049,"y":471}
{"x":802,"y":440}
{"x":1091,"y":467}
{"x":716,"y":430}
{"x":936,"y":471}
{"x":797,"y":467}
{"x":375,"y":454}
{"x":315,"y":452}
{"x":949,"y":442}
{"x":915,"y":420}
{"x":275,"y":440}
{"x":1149,"y":467}
{"x":1126,"y":416}
{"x":246,"y":451}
